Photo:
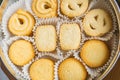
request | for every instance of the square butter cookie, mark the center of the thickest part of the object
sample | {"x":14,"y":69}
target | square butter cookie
{"x":45,"y":38}
{"x":70,"y":36}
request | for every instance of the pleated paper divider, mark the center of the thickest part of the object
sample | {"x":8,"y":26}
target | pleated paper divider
{"x":40,"y":56}
{"x":50,"y":21}
{"x":69,"y":55}
{"x":28,"y":4}
{"x":65,"y":17}
{"x":58,"y":32}
{"x":96,"y":72}
{"x":96,"y":4}
{"x":9,"y":12}
{"x":5,"y":47}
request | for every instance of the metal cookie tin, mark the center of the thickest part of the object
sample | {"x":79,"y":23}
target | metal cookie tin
{"x":117,"y":12}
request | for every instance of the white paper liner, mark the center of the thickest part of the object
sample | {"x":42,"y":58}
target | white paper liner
{"x":69,"y":22}
{"x":59,"y":13}
{"x":5,"y":47}
{"x":95,"y":72}
{"x":28,"y":4}
{"x":69,"y":55}
{"x":25,"y":69}
{"x":92,"y":72}
{"x":50,"y":21}
{"x":96,"y":4}
{"x":112,"y":54}
{"x":65,"y":17}
{"x":58,"y":63}
{"x":57,"y":21}
{"x":1,"y":34}
{"x":9,"y":11}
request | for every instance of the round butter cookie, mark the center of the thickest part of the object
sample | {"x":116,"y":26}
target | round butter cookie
{"x":45,"y":8}
{"x":21,"y":23}
{"x":73,"y":8}
{"x":97,"y":23}
{"x":21,"y":52}
{"x":94,"y":53}
{"x":42,"y":69}
{"x":72,"y":69}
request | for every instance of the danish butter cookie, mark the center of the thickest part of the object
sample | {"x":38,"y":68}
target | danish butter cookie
{"x":42,"y":69}
{"x":45,"y":8}
{"x":94,"y":53}
{"x":70,"y":36}
{"x":21,"y":52}
{"x":72,"y":69}
{"x":97,"y":23}
{"x":73,"y":8}
{"x":21,"y":23}
{"x":45,"y":38}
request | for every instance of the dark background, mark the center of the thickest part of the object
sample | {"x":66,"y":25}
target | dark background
{"x":118,"y":2}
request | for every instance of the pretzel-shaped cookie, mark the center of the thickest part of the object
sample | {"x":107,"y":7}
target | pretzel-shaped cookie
{"x":73,"y":8}
{"x":97,"y":22}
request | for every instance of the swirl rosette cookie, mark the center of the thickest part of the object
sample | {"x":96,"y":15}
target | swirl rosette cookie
{"x":21,"y":23}
{"x":45,"y":8}
{"x":73,"y":8}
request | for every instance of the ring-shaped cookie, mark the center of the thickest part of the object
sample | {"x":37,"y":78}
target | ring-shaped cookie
{"x":97,"y":23}
{"x":45,"y":8}
{"x":73,"y":8}
{"x":21,"y":23}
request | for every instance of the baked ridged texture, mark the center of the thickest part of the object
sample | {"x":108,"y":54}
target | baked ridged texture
{"x":97,"y":23}
{"x":21,"y":23}
{"x":73,"y":8}
{"x":45,"y":8}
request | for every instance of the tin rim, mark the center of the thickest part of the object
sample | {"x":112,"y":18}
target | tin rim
{"x":112,"y":64}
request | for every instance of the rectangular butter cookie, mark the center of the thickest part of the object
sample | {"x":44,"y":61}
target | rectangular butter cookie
{"x":45,"y":38}
{"x":70,"y":36}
